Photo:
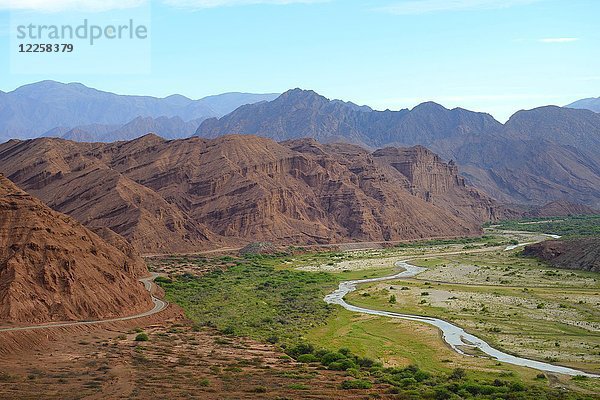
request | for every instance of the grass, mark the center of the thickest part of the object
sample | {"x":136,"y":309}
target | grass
{"x":254,"y":300}
{"x":582,"y":225}
{"x":412,"y":382}
{"x":265,"y":297}
{"x":518,"y":305}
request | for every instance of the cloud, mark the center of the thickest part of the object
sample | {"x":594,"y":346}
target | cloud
{"x":413,"y":7}
{"x":559,"y":40}
{"x":199,"y":4}
{"x":69,"y":5}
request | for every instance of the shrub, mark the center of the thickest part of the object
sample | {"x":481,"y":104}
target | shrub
{"x":356,"y":384}
{"x":301,"y":348}
{"x":345,"y":351}
{"x":307,"y":358}
{"x":141,"y":337}
{"x":406,"y":382}
{"x":259,"y":389}
{"x":204,"y":382}
{"x":298,"y":386}
{"x":392,"y":299}
{"x":162,"y":279}
{"x":342,"y":365}
{"x":328,"y":358}
{"x":366,"y":362}
{"x":579,"y":378}
{"x":458,"y":374}
{"x":229,"y":330}
{"x":272,"y":339}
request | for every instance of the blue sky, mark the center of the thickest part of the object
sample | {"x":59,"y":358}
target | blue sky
{"x":485,"y":55}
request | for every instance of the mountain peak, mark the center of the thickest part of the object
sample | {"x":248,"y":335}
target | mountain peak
{"x":428,"y":107}
{"x":149,"y":138}
{"x":590,"y":103}
{"x":298,"y":93}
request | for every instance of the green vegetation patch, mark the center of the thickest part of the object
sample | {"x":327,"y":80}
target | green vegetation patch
{"x":412,"y":382}
{"x":573,"y":226}
{"x":254,"y":300}
{"x":441,"y":242}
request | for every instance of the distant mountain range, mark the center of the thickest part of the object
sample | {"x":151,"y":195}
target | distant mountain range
{"x":167,"y":127}
{"x":55,"y":109}
{"x":592,"y":104}
{"x":541,"y":155}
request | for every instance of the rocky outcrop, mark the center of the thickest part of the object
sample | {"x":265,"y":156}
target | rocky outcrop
{"x":54,"y":269}
{"x":560,"y":209}
{"x":579,"y":253}
{"x":185,"y":195}
{"x":540,"y":155}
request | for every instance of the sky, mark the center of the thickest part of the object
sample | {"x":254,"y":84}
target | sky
{"x":496,"y":56}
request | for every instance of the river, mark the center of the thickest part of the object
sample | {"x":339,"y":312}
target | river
{"x":455,"y":336}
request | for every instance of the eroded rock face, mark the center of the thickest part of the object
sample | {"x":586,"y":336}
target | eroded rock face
{"x":560,"y":208}
{"x":183,"y":195}
{"x":541,"y":155}
{"x":54,"y":269}
{"x":580,"y":253}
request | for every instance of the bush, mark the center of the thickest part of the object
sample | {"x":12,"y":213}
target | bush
{"x":392,"y":299}
{"x":356,"y":384}
{"x":345,"y":351}
{"x":366,"y":362}
{"x":229,"y":330}
{"x":162,"y":279}
{"x":342,"y":365}
{"x":272,"y":339}
{"x":141,"y":337}
{"x":204,"y":382}
{"x":307,"y":358}
{"x":299,"y":349}
{"x":331,"y":357}
{"x":458,"y":374}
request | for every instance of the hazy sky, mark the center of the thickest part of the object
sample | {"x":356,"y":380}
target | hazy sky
{"x":497,"y":56}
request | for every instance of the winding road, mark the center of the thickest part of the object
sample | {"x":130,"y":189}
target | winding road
{"x":455,"y":336}
{"x":148,"y":282}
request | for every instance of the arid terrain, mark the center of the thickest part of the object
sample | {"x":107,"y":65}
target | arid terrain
{"x":54,"y":269}
{"x":580,"y":253}
{"x":183,"y":195}
{"x":177,"y":362}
